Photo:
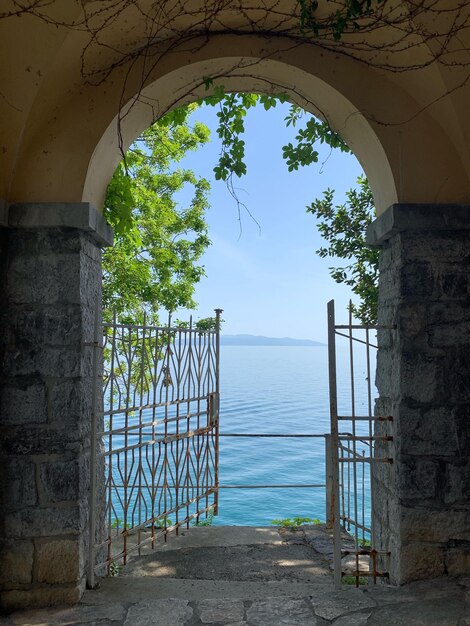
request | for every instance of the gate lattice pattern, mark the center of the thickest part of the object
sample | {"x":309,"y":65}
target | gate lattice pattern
{"x":159,"y":442}
{"x":358,"y":446}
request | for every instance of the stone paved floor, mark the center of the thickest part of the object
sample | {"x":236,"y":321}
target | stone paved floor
{"x":304,"y":596}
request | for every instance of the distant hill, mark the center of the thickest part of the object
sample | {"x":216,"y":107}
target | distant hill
{"x":259,"y":340}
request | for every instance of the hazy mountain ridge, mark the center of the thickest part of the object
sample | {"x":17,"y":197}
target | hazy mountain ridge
{"x":260,"y":340}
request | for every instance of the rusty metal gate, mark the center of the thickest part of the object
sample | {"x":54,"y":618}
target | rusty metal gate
{"x":154,"y":438}
{"x":354,"y":451}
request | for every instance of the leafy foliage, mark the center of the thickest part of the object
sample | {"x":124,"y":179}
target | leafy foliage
{"x":295,"y":522}
{"x":232,"y":112}
{"x":204,"y":325}
{"x":346,"y":18}
{"x":153,"y":262}
{"x":231,"y":115}
{"x":344,"y":228}
{"x":303,"y":152}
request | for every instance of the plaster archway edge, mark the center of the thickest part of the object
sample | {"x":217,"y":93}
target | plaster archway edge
{"x":186,"y":84}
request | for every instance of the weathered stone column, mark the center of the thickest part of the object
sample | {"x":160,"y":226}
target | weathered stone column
{"x":423,"y":377}
{"x":50,"y":286}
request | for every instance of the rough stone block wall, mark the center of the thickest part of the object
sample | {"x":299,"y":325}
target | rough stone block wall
{"x":49,"y":288}
{"x":422,"y":501}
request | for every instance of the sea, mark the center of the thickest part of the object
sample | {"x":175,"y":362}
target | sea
{"x":268,"y":390}
{"x":279,"y":389}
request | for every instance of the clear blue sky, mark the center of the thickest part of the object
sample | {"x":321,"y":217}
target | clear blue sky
{"x":270,"y":283}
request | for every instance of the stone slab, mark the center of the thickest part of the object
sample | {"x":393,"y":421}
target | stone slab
{"x":215,"y":536}
{"x":427,"y":613}
{"x":17,"y":562}
{"x":43,"y":215}
{"x":284,"y":562}
{"x":136,"y":589}
{"x":356,"y":619}
{"x":418,"y":217}
{"x":440,"y":602}
{"x":80,"y":614}
{"x":214,"y":611}
{"x":282,"y":612}
{"x":58,"y":561}
{"x":341,"y":602}
{"x":159,"y":613}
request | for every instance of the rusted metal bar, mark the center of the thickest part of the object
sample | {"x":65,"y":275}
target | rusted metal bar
{"x":167,"y":383}
{"x":366,"y":552}
{"x":128,"y":356}
{"x":353,"y":413}
{"x":153,"y":473}
{"x":354,"y":339}
{"x":329,"y":499}
{"x":366,"y":326}
{"x":158,"y":422}
{"x":365,"y":573}
{"x":198,"y":440}
{"x":352,"y":522}
{"x":132,"y":408}
{"x":188,"y":421}
{"x":365,"y":418}
{"x":334,"y":442}
{"x":367,"y":459}
{"x":364,"y":438}
{"x":276,"y":435}
{"x":110,"y":440}
{"x":177,"y":443}
{"x":143,"y":349}
{"x":275,"y":486}
{"x":218,"y":313}
{"x":96,"y":346}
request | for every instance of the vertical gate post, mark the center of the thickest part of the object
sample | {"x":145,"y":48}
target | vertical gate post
{"x":329,"y":482}
{"x":335,"y":507}
{"x":218,"y":313}
{"x":95,"y":401}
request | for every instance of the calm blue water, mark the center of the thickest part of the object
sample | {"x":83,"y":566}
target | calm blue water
{"x":278,"y":389}
{"x":266,"y":389}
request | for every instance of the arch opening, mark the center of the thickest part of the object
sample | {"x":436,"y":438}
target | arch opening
{"x":187,"y":84}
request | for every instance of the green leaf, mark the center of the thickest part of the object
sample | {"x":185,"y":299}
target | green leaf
{"x":344,"y":229}
{"x":154,"y":262}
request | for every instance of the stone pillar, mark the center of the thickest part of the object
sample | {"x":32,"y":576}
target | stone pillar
{"x":423,"y":377}
{"x":50,"y":285}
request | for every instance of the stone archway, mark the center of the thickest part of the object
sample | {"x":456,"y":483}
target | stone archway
{"x":408,"y":153}
{"x":238,"y":74}
{"x":59,"y":148}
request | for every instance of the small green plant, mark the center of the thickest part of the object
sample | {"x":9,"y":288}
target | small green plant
{"x":114,"y":569}
{"x":118,"y":523}
{"x":163,"y":523}
{"x":351,"y":580}
{"x":209,"y":521}
{"x":295,"y":522}
{"x":364,"y":543}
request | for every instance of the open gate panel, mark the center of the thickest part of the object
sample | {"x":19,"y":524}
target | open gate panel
{"x":155,"y":438}
{"x":360,"y":441}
